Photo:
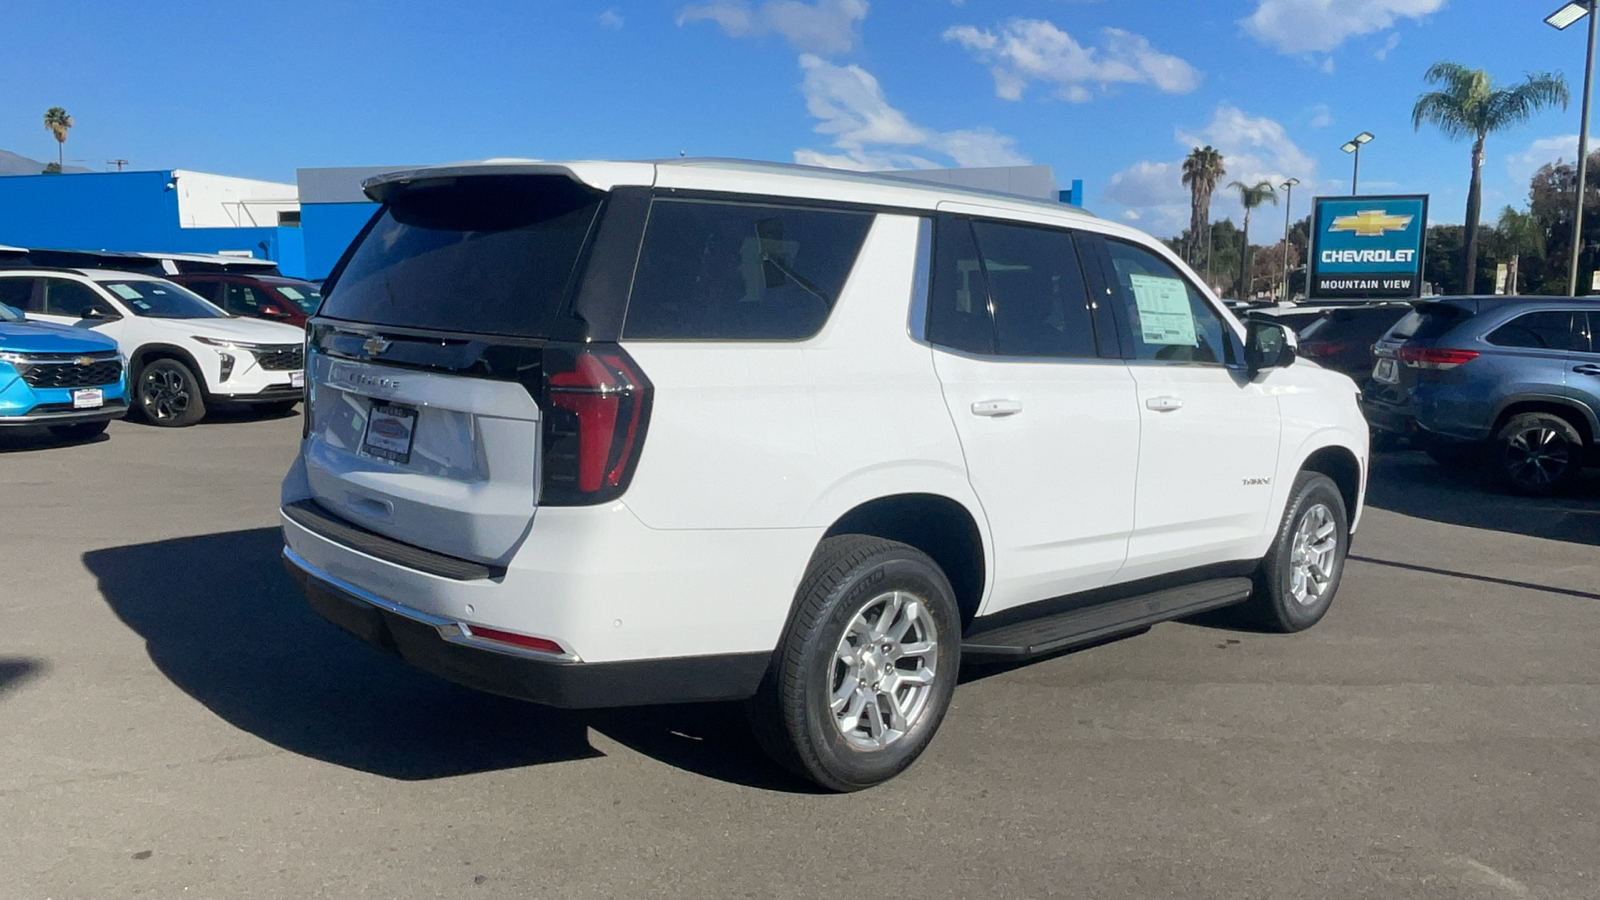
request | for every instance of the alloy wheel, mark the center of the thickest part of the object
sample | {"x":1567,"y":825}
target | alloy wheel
{"x":1537,"y":457}
{"x":883,"y":671}
{"x":164,"y":393}
{"x":1313,"y":555}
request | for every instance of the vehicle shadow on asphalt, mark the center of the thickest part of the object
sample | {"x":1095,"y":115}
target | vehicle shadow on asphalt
{"x":32,"y":440}
{"x":222,"y":620}
{"x":1414,"y":485}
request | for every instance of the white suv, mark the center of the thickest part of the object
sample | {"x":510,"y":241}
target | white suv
{"x":182,"y":351}
{"x":599,"y":434}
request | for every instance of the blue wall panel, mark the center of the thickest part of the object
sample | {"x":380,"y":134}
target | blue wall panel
{"x":328,"y":229}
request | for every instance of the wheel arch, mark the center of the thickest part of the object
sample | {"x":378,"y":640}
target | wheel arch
{"x":1341,"y":465}
{"x":1578,"y":413}
{"x":149,"y":353}
{"x":942,"y":527}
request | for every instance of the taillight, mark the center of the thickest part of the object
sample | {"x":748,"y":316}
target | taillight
{"x":596,"y":407}
{"x":1435,"y":357}
{"x":1315,"y":349}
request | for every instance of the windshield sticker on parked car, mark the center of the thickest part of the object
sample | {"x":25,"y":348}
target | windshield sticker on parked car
{"x":126,"y":292}
{"x":1164,"y":314}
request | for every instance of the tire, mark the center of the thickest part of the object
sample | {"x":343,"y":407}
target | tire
{"x":79,"y":431}
{"x":169,"y":395}
{"x":277,"y":409}
{"x":1538,"y":454}
{"x":853,"y":581}
{"x":1455,"y":454}
{"x":1288,"y":595}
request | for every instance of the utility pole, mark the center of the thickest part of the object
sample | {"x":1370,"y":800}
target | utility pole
{"x":119,"y":163}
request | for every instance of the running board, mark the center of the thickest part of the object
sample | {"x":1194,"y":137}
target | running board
{"x":1053,"y":633}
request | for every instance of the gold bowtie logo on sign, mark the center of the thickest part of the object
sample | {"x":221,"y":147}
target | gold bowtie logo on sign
{"x":1370,"y":223}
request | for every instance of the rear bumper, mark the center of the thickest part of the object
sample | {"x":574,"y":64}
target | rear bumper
{"x":449,"y":650}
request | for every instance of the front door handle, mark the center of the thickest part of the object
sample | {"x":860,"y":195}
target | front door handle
{"x":1164,"y":404}
{"x":1587,"y":369}
{"x":996,"y":408}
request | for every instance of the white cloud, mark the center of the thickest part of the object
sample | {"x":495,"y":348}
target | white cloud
{"x":1028,"y":50}
{"x":1521,"y":166}
{"x":1321,"y":116}
{"x":1318,"y":26}
{"x":824,"y":27}
{"x":1383,"y":52}
{"x":611,"y":19}
{"x":868,"y":133}
{"x":1254,"y":148}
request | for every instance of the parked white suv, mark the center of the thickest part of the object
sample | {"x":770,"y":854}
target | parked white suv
{"x":599,"y":434}
{"x":182,"y":350}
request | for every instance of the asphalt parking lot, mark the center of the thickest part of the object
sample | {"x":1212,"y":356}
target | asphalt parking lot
{"x":176,"y":723}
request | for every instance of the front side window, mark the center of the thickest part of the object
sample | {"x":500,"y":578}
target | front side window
{"x":1169,"y":319}
{"x":242,"y":299}
{"x":162,"y":300}
{"x":740,"y":271}
{"x":1550,"y":330}
{"x":303,"y":296}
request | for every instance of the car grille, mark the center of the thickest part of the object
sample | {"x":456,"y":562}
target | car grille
{"x":281,"y":357}
{"x":43,"y":372}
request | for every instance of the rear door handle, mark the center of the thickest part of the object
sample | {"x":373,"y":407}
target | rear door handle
{"x":1164,"y":404}
{"x":996,"y":408}
{"x":1587,"y":369}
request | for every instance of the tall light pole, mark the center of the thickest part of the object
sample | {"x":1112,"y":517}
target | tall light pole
{"x":1559,"y":20}
{"x":1354,"y":146}
{"x":1288,"y":201}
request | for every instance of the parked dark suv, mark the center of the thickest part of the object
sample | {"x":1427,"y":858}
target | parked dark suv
{"x":273,"y":297}
{"x":1514,"y":381}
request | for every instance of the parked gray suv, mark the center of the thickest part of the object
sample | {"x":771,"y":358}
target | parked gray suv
{"x":1512,"y":381}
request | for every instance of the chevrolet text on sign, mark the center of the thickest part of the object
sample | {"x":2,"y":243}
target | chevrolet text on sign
{"x":1367,"y":247}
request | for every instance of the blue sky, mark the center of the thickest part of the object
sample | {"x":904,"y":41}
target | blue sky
{"x":1112,"y":92}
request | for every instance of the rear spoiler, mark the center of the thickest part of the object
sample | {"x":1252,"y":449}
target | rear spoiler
{"x":602,"y":176}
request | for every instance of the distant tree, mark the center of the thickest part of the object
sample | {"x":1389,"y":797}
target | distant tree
{"x":1469,"y":105}
{"x":58,"y":123}
{"x":1550,"y":202}
{"x":1250,"y":197}
{"x":51,"y":169}
{"x":1201,"y":171}
{"x":1266,"y":264}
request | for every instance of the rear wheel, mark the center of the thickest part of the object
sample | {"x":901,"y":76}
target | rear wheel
{"x":867,"y":667}
{"x":1300,"y":574}
{"x":170,"y":395}
{"x":1538,"y":454}
{"x":79,"y":431}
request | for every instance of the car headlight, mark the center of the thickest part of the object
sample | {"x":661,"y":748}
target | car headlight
{"x":221,"y":344}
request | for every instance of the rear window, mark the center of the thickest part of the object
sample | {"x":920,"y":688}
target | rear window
{"x":740,"y":271}
{"x":1427,"y":322}
{"x":485,"y":254}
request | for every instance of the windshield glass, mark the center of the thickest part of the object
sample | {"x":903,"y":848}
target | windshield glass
{"x":304,"y":296}
{"x":7,"y":314}
{"x":162,"y":300}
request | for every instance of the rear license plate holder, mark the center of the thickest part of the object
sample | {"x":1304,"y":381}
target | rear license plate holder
{"x":390,"y":432}
{"x":1386,"y":371}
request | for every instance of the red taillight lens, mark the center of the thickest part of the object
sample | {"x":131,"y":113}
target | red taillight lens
{"x":596,"y":405}
{"x":518,"y":640}
{"x":1435,"y":357}
{"x":1315,"y":349}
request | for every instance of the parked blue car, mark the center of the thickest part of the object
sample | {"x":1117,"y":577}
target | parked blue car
{"x":70,"y":380}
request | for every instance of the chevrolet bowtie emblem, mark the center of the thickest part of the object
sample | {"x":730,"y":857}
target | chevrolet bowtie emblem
{"x":376,"y":346}
{"x":1370,"y":223}
{"x":84,"y":361}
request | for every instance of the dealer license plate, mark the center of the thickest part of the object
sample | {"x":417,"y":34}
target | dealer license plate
{"x":88,"y":398}
{"x":1386,"y":371}
{"x":390,"y":431}
{"x":297,"y":379}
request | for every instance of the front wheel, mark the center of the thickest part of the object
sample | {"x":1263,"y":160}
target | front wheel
{"x":866,"y":669}
{"x":170,"y":395}
{"x":1297,"y":580}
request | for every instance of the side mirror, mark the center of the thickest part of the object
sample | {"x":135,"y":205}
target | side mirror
{"x":95,"y":312}
{"x":1268,"y":345}
{"x":272,"y":312}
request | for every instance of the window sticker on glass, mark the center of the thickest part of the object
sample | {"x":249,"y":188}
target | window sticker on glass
{"x":125,"y":292}
{"x":1164,"y":314}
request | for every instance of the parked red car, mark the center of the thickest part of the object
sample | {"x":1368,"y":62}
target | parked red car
{"x":287,"y":300}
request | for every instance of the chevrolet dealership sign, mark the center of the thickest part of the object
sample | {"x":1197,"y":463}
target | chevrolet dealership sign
{"x":1367,"y":247}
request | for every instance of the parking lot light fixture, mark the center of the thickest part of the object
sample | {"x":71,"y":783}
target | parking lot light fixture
{"x":1288,"y":202}
{"x":1559,"y":20}
{"x":1354,"y":146}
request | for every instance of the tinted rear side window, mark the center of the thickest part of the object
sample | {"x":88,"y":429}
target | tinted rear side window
{"x":486,"y":254}
{"x":1427,"y":322}
{"x":740,"y":271}
{"x":1036,"y":291}
{"x":958,"y":304}
{"x":1540,"y":331}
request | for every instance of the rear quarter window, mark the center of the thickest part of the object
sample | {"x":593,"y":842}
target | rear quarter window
{"x":740,"y":271}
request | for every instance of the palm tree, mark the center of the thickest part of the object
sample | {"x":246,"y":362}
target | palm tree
{"x":1201,"y":172}
{"x":1469,"y":105}
{"x":1251,"y":196}
{"x":58,"y":123}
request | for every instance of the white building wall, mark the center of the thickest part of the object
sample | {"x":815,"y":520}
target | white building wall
{"x":222,"y":201}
